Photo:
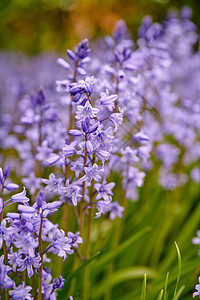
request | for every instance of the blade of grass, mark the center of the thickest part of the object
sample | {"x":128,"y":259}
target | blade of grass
{"x":179,"y":270}
{"x":160,"y":295}
{"x":165,"y":289}
{"x":180,"y":292}
{"x":144,"y":288}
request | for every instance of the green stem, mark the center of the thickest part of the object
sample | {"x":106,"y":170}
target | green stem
{"x":86,"y":279}
{"x":116,"y":240}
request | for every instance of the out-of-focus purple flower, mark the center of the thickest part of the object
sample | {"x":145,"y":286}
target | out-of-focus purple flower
{"x":119,"y":31}
{"x":116,"y":210}
{"x":141,"y":137}
{"x":39,"y":99}
{"x":32,"y":183}
{"x":197,"y":287}
{"x":62,"y":63}
{"x":196,"y":240}
{"x":195,"y":174}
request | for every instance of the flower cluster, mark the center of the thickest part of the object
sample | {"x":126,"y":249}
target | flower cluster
{"x":22,"y":236}
{"x":119,"y":112}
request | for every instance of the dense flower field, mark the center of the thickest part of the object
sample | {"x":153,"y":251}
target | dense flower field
{"x":100,"y":175}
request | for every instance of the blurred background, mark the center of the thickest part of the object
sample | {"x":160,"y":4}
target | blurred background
{"x":54,"y":25}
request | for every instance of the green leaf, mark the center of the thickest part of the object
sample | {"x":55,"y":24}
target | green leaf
{"x":179,"y":270}
{"x":106,"y":258}
{"x":144,"y":288}
{"x":123,"y":276}
{"x":77,"y":271}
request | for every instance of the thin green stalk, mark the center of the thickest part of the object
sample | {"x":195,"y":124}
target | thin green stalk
{"x":144,"y":288}
{"x":117,"y":237}
{"x":165,"y":289}
{"x":160,"y":295}
{"x":179,"y":270}
{"x":86,"y":275}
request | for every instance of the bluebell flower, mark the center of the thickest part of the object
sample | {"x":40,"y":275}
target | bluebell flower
{"x":86,"y":111}
{"x":92,"y":172}
{"x":11,"y":186}
{"x":6,"y":233}
{"x":119,"y":31}
{"x":83,"y":49}
{"x":1,"y":176}
{"x":21,"y":292}
{"x":102,"y":207}
{"x":53,"y":159}
{"x":108,"y":100}
{"x":75,"y":239}
{"x":73,"y":192}
{"x":129,"y":156}
{"x":69,"y":150}
{"x":82,"y":86}
{"x":5,"y":281}
{"x":6,"y":171}
{"x":116,"y":210}
{"x":104,"y":190}
{"x":12,"y":259}
{"x":77,"y":166}
{"x":103,"y":138}
{"x":20,"y":197}
{"x":58,"y":283}
{"x":53,"y":184}
{"x":26,"y":242}
{"x":61,"y":245}
{"x":62,"y":63}
{"x":28,"y":263}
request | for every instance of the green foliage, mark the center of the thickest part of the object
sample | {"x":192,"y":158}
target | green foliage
{"x":168,"y":216}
